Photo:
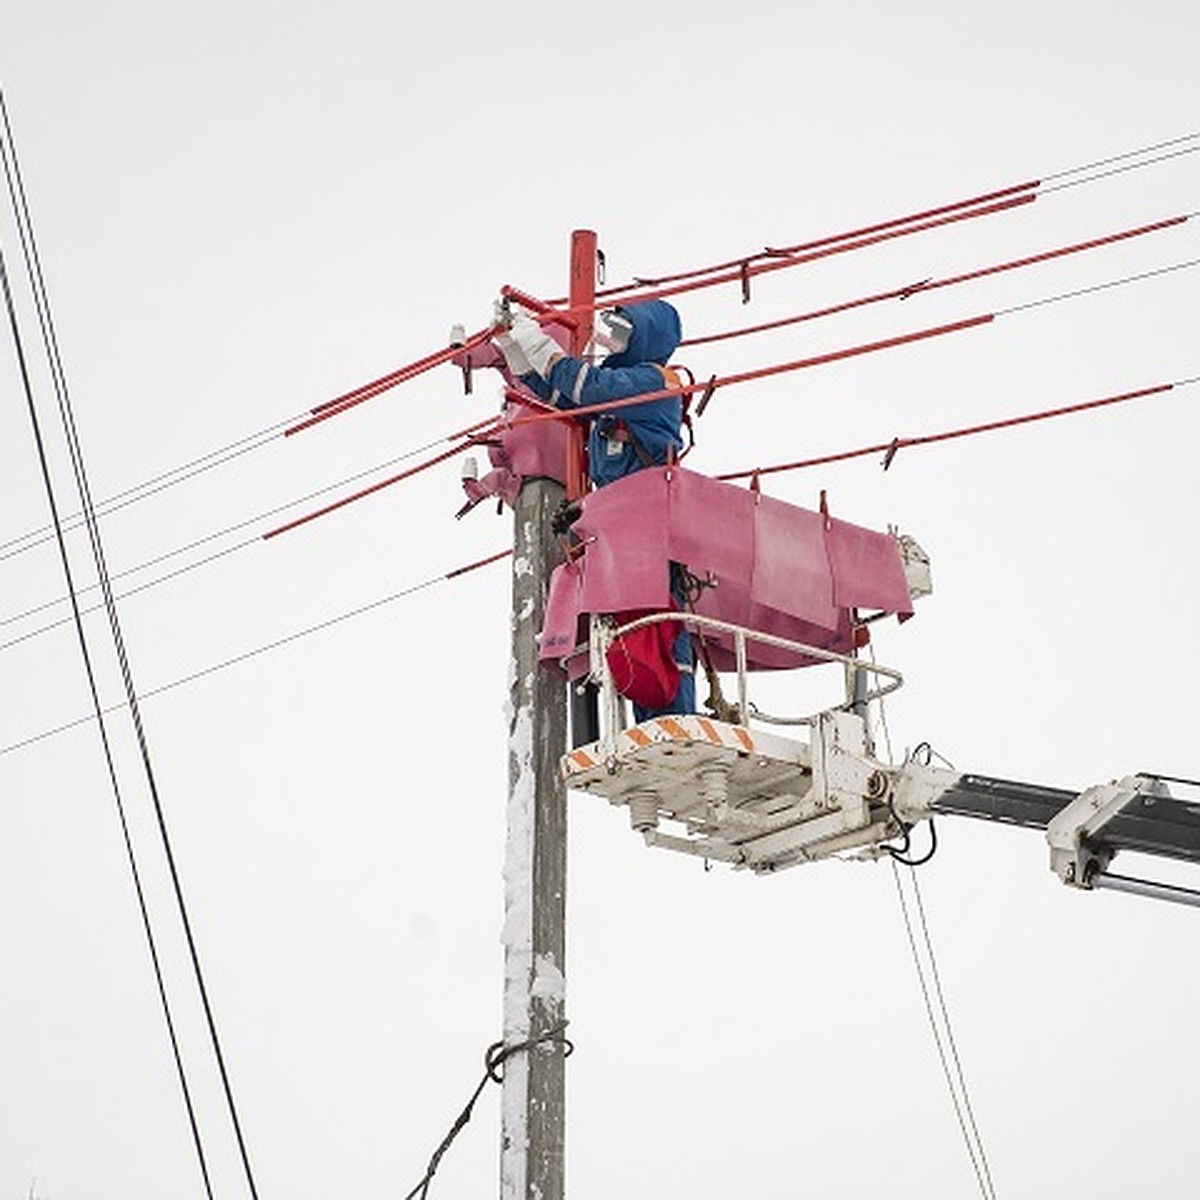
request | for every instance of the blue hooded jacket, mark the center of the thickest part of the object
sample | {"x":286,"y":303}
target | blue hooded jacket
{"x":613,"y":439}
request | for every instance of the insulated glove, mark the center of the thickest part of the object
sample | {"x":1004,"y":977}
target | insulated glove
{"x":527,"y":347}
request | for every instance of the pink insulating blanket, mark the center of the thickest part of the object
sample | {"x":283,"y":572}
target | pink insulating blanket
{"x":777,"y":568}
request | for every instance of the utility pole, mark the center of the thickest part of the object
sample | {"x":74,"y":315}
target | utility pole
{"x":533,"y":1094}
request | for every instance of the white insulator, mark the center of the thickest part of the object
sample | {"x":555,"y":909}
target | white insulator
{"x":643,"y":811}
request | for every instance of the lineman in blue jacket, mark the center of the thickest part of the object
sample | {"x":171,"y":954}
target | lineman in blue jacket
{"x":642,"y":338}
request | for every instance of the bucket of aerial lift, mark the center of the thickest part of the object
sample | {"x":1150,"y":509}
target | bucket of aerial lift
{"x":768,"y":566}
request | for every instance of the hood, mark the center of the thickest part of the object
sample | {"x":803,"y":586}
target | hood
{"x":656,"y":333}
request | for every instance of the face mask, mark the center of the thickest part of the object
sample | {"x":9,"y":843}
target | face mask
{"x":613,"y":331}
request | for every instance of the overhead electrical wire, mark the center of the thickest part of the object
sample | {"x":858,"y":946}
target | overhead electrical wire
{"x":247,"y":655}
{"x":474,"y":434}
{"x":1124,"y":157}
{"x":943,"y":1033}
{"x":1099,"y":287}
{"x":1088,"y":170}
{"x":190,"y":470}
{"x":1058,"y":187}
{"x":214,"y":536}
{"x":783,"y":260}
{"x":375,"y":487}
{"x":150,"y":487}
{"x":294,"y":424}
{"x":943,"y":210}
{"x":54,"y":360}
{"x":98,"y":714}
{"x":736,"y":270}
{"x":905,"y":291}
{"x":576,"y":313}
{"x":741,"y":270}
{"x":896,"y":444}
{"x":845,"y":352}
{"x":50,"y":626}
{"x":261,"y":437}
{"x":708,"y":388}
{"x":889,"y":449}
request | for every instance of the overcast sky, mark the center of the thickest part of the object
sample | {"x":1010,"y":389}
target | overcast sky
{"x":243,"y":210}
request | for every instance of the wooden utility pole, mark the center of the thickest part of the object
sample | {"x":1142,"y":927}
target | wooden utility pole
{"x":533,"y":1118}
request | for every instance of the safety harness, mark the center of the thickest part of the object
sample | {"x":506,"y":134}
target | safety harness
{"x":617,"y":430}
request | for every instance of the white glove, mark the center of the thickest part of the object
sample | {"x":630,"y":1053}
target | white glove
{"x":526,"y":347}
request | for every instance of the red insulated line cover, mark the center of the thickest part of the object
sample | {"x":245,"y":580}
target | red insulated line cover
{"x":966,"y":431}
{"x":483,"y":428}
{"x":1046,"y":255}
{"x":800,"y":364}
{"x":331,"y":408}
{"x":770,"y":252}
{"x":974,"y":202}
{"x":782,"y":264}
{"x":811,"y":315}
{"x":930,"y":285}
{"x":368,"y":491}
{"x":482,"y":562}
{"x":978,"y":206}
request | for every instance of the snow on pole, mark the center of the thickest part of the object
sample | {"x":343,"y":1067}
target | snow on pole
{"x":532,"y":1100}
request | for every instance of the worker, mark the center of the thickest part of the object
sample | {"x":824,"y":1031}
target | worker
{"x":640,"y":339}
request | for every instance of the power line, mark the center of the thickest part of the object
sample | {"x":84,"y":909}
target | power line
{"x":1058,"y":187}
{"x":211,"y":537}
{"x":906,"y":291}
{"x":245,"y":656}
{"x":1104,"y":162}
{"x":1099,"y":287}
{"x":943,"y":1036}
{"x":744,"y":272}
{"x":1028,"y":186}
{"x":150,"y":487}
{"x":706,"y":389}
{"x":133,"y":591}
{"x":375,"y":487}
{"x":896,"y":444}
{"x":98,"y":716}
{"x":169,"y":479}
{"x":54,"y":358}
{"x":743,"y":268}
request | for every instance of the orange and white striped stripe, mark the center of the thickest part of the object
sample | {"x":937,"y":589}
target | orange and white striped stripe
{"x":688,"y":730}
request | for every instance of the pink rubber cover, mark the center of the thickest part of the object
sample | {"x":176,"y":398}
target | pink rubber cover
{"x":778,"y":568}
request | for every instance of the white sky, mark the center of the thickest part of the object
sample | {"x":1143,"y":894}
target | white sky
{"x":244,"y":209}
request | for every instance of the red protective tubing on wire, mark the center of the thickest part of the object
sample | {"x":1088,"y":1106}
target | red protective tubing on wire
{"x":836,"y":244}
{"x":972,"y":202}
{"x":987,"y":199}
{"x":479,"y":430}
{"x":1046,"y":255}
{"x":483,"y":562}
{"x":892,"y":294}
{"x":782,"y":264}
{"x":331,"y":408}
{"x":497,"y":420}
{"x":816,"y":360}
{"x":367,"y":491}
{"x":930,"y":285}
{"x":990,"y":426}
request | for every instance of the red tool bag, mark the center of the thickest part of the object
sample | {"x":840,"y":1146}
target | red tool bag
{"x":642,"y":662}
